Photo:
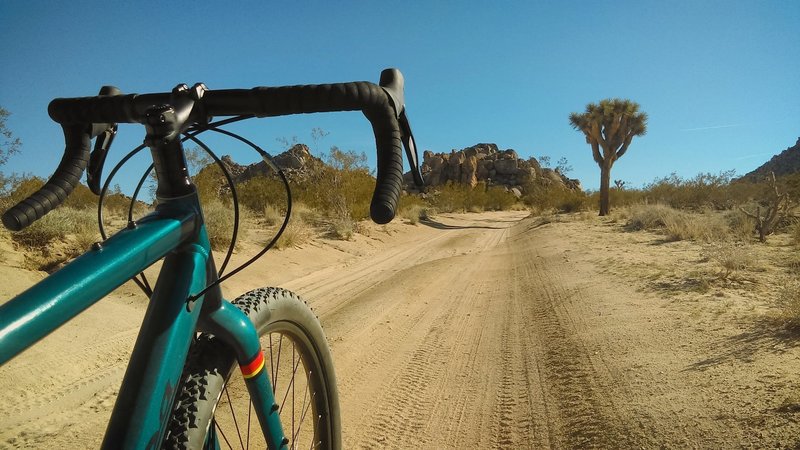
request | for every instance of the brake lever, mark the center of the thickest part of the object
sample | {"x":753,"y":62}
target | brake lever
{"x":98,"y":158}
{"x":105,"y":136}
{"x":411,"y":149}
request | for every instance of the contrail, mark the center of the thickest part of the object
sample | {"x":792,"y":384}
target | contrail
{"x":714,"y":127}
{"x":754,"y":155}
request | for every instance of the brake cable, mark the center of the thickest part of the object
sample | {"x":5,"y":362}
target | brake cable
{"x":191,"y":134}
{"x":268,"y":160}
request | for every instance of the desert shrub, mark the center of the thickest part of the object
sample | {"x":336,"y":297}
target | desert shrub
{"x":272,"y":216}
{"x":18,"y":189}
{"x":415,"y":213}
{"x":740,"y":226}
{"x":219,"y":223}
{"x":258,"y":193}
{"x":620,"y":197}
{"x":342,"y":188}
{"x":81,"y":198}
{"x":705,"y":190}
{"x":795,"y":234}
{"x":59,"y":236}
{"x":679,"y":225}
{"x":556,"y":198}
{"x":729,"y":258}
{"x":695,"y":227}
{"x":648,"y":217}
{"x":566,"y":200}
{"x":499,"y":199}
{"x":56,"y":226}
{"x":788,"y":303}
{"x":296,"y":233}
{"x":305,"y":212}
{"x":210,"y":183}
{"x":452,"y":197}
{"x":410,"y":213}
{"x":115,"y":204}
{"x":410,"y":200}
{"x":341,"y":227}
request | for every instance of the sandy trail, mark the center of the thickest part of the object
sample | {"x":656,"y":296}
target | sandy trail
{"x":484,"y":330}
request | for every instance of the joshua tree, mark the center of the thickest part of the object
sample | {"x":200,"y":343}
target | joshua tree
{"x":609,"y":127}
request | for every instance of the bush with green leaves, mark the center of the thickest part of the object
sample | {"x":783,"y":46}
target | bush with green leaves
{"x":546,"y":198}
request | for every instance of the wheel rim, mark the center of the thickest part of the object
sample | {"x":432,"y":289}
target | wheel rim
{"x":299,"y":392}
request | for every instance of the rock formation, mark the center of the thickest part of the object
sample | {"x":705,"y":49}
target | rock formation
{"x":479,"y":163}
{"x":297,"y":163}
{"x":486,"y":163}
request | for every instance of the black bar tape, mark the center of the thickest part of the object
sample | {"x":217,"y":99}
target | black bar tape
{"x":367,"y":97}
{"x":83,"y":110}
{"x":59,"y":186}
{"x":389,"y":178}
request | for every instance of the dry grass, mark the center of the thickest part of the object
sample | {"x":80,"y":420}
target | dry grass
{"x":696,"y":227}
{"x":794,"y":232}
{"x":415,"y":213}
{"x":788,"y":303}
{"x":57,"y":237}
{"x":342,"y":228}
{"x":741,"y":226}
{"x":272,"y":216}
{"x":646,"y":217}
{"x":219,"y":223}
{"x":296,"y":233}
{"x":677,"y":225}
{"x":303,"y":211}
{"x":730,"y":258}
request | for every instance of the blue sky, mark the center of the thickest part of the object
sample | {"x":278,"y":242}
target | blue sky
{"x":719,"y":79}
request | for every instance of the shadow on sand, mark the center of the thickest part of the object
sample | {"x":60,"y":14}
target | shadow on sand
{"x":441,"y":226}
{"x":765,"y":337}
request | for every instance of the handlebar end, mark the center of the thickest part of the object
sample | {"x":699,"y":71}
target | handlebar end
{"x":12,"y":222}
{"x":381,"y":213}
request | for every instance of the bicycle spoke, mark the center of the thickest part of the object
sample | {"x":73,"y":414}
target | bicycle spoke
{"x":286,"y":395}
{"x":225,"y":438}
{"x":275,"y":372}
{"x":233,"y":415}
{"x":249,"y":411}
{"x":296,"y":433}
{"x":294,"y":374}
{"x":271,"y":364}
{"x":314,"y":442}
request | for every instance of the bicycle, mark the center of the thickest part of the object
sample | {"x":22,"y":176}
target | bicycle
{"x":191,"y":338}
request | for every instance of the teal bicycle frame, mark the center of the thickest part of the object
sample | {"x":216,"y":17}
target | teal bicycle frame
{"x":175,"y":231}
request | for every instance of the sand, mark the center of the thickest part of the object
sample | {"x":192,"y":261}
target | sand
{"x":490,"y":330}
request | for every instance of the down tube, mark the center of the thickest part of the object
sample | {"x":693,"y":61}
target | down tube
{"x":153,"y":376}
{"x":58,"y":298}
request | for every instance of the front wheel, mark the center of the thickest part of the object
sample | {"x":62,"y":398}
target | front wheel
{"x":213,"y":409}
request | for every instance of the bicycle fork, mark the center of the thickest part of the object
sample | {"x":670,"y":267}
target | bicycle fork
{"x":234,"y":328}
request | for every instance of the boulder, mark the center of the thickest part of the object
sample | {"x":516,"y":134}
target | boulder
{"x":505,"y":166}
{"x":469,"y":171}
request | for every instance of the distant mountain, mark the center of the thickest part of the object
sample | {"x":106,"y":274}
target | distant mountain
{"x":786,"y":163}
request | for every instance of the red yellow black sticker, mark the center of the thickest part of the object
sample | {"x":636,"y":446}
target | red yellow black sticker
{"x":252,"y":368}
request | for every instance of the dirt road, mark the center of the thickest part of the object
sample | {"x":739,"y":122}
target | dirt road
{"x":470,"y":331}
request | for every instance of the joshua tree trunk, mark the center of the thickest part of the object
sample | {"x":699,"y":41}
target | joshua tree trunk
{"x":605,"y":185}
